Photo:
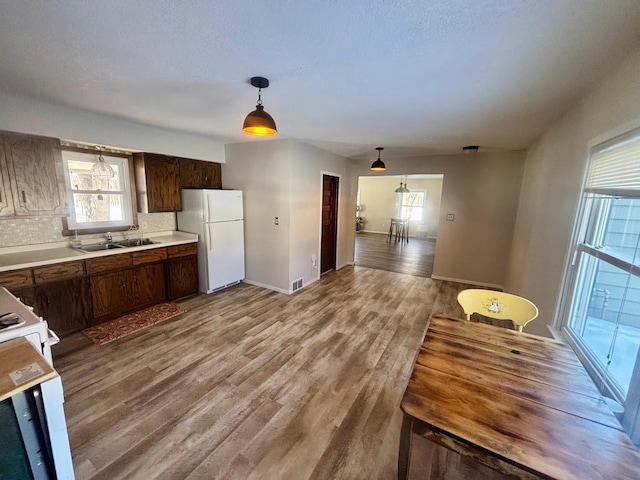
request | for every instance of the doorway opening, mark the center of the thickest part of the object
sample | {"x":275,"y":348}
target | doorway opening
{"x":329,"y":235}
{"x":381,"y":201}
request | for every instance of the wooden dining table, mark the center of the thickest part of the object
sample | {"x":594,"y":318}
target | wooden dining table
{"x":519,"y":404}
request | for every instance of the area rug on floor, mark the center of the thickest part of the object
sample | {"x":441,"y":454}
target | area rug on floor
{"x":126,"y":325}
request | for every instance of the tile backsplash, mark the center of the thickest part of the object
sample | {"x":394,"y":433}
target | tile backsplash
{"x":29,"y":231}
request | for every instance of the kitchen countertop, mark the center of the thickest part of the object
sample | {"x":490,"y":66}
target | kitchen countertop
{"x":13,"y":258}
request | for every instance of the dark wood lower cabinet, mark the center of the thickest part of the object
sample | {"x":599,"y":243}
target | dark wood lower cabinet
{"x":121,"y":292}
{"x":148,"y":285}
{"x":182,"y":273}
{"x":110,"y":286}
{"x":65,"y":305}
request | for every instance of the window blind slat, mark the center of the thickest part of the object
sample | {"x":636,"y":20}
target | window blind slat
{"x":616,"y":166}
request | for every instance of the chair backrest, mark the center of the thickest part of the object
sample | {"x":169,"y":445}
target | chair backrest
{"x":500,"y":305}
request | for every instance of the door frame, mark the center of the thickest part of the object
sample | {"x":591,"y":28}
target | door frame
{"x":338,"y":218}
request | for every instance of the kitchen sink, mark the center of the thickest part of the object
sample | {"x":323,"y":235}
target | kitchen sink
{"x":98,"y":247}
{"x":135,"y":242}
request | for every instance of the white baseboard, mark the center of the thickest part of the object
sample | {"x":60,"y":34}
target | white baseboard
{"x":470,"y":282}
{"x":280,"y":290}
{"x":268,"y":287}
{"x":347,"y":264}
{"x":375,"y":231}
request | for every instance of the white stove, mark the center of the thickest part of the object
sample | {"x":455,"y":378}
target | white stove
{"x":36,"y":330}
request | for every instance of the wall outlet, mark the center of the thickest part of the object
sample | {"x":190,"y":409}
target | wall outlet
{"x":450,"y":217}
{"x":314,"y":260}
{"x":276,"y":220}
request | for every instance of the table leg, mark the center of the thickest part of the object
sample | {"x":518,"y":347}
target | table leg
{"x":390,"y":232}
{"x":404,"y":451}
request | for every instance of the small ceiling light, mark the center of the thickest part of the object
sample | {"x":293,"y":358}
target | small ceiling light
{"x":470,"y":149}
{"x":378,"y":165}
{"x":403,"y":187}
{"x":259,"y":122}
{"x":101,"y":168}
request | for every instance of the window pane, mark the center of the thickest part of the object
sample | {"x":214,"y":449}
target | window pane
{"x":606,"y":315}
{"x":622,"y":230}
{"x":92,"y":207}
{"x":82,"y":179}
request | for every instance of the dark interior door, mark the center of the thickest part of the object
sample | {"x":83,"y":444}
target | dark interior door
{"x":329,"y":223}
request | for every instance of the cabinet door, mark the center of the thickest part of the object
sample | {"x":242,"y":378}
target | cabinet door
{"x":163,"y":183}
{"x":6,"y":200}
{"x":35,"y":172}
{"x":64,"y":305}
{"x":148,"y":285}
{"x":211,"y":175}
{"x":183,"y":276}
{"x":110,"y":293}
{"x":190,"y":173}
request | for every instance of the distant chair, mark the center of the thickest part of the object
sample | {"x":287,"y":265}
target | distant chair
{"x":498,"y":305}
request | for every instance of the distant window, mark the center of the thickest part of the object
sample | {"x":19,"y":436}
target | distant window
{"x":413,"y":205}
{"x":97,"y":202}
{"x":602,"y":306}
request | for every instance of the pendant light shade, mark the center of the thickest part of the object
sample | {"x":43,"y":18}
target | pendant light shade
{"x":259,"y":122}
{"x":403,"y":187}
{"x":378,"y":165}
{"x":101,"y":168}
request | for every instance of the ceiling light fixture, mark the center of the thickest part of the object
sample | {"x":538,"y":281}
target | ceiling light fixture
{"x":259,"y":122}
{"x":101,"y":168}
{"x":378,"y":165}
{"x":470,"y":149}
{"x":403,"y":187}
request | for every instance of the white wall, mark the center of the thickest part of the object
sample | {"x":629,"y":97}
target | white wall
{"x":262,"y":171}
{"x":554,"y":169}
{"x":380,"y":203}
{"x":282,"y":178}
{"x":308,"y":163}
{"x":481,"y":190}
{"x":28,"y":115}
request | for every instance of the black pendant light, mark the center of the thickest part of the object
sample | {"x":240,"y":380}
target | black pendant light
{"x":378,"y":165}
{"x":470,"y":149}
{"x":259,"y":122}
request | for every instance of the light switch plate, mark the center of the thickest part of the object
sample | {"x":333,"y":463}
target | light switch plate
{"x":450,"y":217}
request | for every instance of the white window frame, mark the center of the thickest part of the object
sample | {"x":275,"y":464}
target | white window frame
{"x":123,"y":163}
{"x":631,"y":416}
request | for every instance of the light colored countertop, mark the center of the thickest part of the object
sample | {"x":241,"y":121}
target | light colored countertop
{"x":13,"y":258}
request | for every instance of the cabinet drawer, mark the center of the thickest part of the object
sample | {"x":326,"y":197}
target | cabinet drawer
{"x":183,"y":250}
{"x":149,"y":256}
{"x":108,"y":263}
{"x":15,"y":279}
{"x":58,"y":271}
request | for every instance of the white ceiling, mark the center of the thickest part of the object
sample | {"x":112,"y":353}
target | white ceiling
{"x":417,"y":77}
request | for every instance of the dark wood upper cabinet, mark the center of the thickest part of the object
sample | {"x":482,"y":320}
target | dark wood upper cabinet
{"x":32,"y":168}
{"x":199,"y":174}
{"x":190,"y":173}
{"x":157,"y":183}
{"x":211,"y":175}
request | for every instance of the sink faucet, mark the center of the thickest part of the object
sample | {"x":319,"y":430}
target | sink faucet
{"x":109,"y":237}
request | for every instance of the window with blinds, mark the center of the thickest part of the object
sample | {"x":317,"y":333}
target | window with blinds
{"x":602,"y":320}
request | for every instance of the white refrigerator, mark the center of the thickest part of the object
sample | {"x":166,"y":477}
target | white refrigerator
{"x":217,"y":217}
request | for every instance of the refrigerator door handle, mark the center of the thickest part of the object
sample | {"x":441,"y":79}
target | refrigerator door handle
{"x":209,"y":239}
{"x":206,"y":201}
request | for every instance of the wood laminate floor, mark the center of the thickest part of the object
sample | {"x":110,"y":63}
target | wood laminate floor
{"x":415,"y":258}
{"x":251,"y":383}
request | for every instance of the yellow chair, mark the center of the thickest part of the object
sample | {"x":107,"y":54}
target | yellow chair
{"x":498,"y":305}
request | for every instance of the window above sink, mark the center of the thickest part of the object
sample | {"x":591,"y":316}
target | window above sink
{"x":98,"y":202}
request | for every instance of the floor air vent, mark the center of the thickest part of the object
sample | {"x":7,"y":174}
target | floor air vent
{"x":296,"y":285}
